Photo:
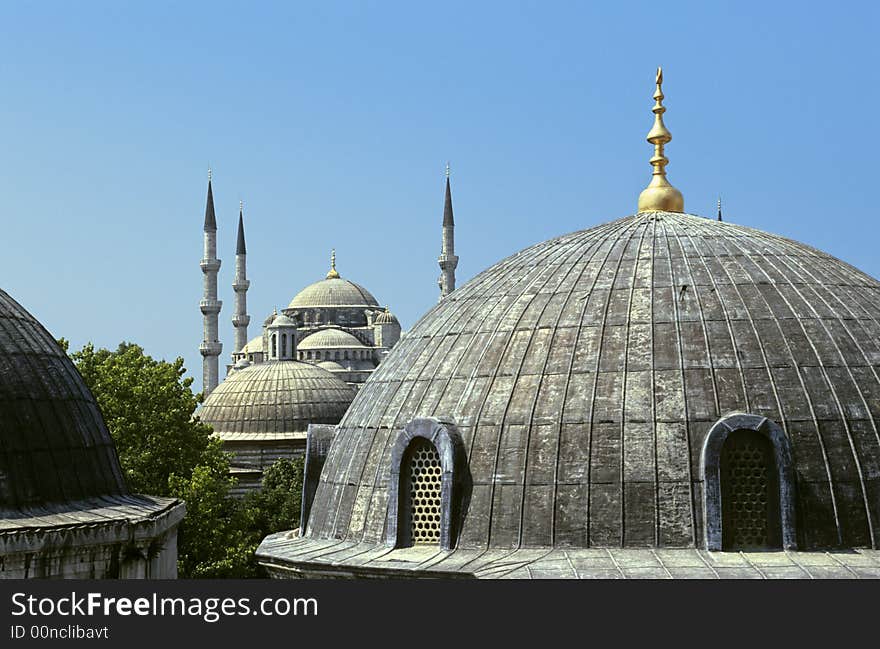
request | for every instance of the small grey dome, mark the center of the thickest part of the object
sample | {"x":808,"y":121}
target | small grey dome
{"x":333,"y":292}
{"x":330,"y":338}
{"x":332,"y":366}
{"x":54,"y":444}
{"x":276,"y":397}
{"x":281,"y":321}
{"x":386,"y":317}
{"x":254,"y":346}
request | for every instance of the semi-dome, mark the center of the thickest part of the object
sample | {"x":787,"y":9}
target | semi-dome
{"x":333,"y":292}
{"x":254,"y":345}
{"x":386,"y":317}
{"x":330,"y":338}
{"x":331,"y":366}
{"x":275,"y":399}
{"x":587,"y":375}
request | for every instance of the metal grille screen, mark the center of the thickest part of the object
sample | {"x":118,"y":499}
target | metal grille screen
{"x":747,"y":498}
{"x":424,"y":492}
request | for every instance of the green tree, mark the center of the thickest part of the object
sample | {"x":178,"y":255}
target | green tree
{"x":277,"y":505}
{"x":148,"y":406}
{"x":164,"y":450}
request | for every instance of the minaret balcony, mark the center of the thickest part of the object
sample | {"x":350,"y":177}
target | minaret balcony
{"x":242,"y":285}
{"x":211,"y":348}
{"x":209,"y":265}
{"x":241,"y":320}
{"x":448,"y":262}
{"x":210,"y":307}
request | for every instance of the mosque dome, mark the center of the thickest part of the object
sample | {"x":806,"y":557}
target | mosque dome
{"x":386,"y":317}
{"x":334,"y":292}
{"x":330,"y":338}
{"x":331,"y":366}
{"x":54,"y":444}
{"x":275,"y":398}
{"x":585,"y":375}
{"x":65,"y":509}
{"x":255,"y":345}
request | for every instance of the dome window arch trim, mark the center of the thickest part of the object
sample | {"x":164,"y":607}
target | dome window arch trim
{"x":710,"y":468}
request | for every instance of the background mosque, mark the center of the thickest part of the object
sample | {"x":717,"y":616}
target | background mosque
{"x":308,"y":362}
{"x":663,"y":395}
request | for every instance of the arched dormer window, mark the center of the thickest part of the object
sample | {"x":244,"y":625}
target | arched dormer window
{"x":748,"y":479}
{"x":426,"y":485}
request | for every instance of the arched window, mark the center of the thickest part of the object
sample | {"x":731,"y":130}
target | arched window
{"x":283,"y":345}
{"x":345,"y":355}
{"x":748,"y":485}
{"x":749,"y":493}
{"x":426,"y":489}
{"x":337,"y":356}
{"x":274,"y":346}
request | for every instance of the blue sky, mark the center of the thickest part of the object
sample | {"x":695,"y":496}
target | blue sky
{"x":334,"y":121}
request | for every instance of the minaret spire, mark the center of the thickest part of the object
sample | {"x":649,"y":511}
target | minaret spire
{"x":659,"y":195}
{"x":448,"y":261}
{"x":719,"y":209}
{"x":209,"y":305}
{"x":240,"y":318}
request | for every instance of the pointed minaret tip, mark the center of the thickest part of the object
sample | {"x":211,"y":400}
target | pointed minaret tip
{"x":332,"y":274}
{"x":448,"y":218}
{"x":719,"y":209}
{"x":659,"y":195}
{"x":210,"y":219}
{"x":240,"y":247}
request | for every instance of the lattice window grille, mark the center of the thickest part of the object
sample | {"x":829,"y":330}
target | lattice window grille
{"x":425,"y":477}
{"x":748,"y":491}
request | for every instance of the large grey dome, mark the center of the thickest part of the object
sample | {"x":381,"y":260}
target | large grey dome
{"x":275,"y":398}
{"x":54,"y":444}
{"x":333,"y":292}
{"x":585,"y":373}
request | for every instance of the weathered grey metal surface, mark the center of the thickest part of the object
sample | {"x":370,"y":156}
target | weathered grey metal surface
{"x":584,"y":373}
{"x":286,"y":557}
{"x":320,"y":436}
{"x":54,"y":444}
{"x":275,"y":397}
{"x":333,"y":292}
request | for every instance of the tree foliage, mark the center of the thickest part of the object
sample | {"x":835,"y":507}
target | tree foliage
{"x":148,"y":406}
{"x":164,"y":450}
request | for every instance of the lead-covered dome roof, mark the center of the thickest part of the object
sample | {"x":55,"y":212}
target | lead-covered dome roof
{"x":54,"y":444}
{"x":584,"y":373}
{"x":330,"y":338}
{"x":276,"y":398}
{"x":333,"y":292}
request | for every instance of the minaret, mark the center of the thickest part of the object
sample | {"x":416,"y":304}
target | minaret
{"x":210,"y":305}
{"x":240,"y":319}
{"x":448,"y":261}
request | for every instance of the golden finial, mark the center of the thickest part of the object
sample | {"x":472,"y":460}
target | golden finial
{"x":333,"y":274}
{"x":447,"y":170}
{"x":659,"y":195}
{"x":209,"y":174}
{"x":241,"y":206}
{"x":719,"y":208}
